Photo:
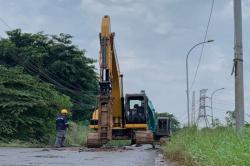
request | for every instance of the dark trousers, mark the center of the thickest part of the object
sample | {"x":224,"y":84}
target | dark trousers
{"x":60,"y":138}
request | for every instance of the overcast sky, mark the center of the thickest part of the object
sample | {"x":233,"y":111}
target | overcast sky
{"x":152,"y":40}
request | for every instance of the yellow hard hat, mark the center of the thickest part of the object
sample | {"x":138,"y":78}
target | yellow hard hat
{"x":64,"y":111}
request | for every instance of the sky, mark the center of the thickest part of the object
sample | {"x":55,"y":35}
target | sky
{"x":152,"y":38}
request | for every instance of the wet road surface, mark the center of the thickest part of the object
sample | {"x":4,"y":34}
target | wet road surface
{"x":129,"y":156}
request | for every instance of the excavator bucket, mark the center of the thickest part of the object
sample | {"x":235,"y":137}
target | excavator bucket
{"x":93,"y":140}
{"x":144,"y":137}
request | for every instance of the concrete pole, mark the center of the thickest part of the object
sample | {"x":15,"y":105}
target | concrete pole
{"x":238,"y":62}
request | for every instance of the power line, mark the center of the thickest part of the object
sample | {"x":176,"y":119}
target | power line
{"x":42,"y":73}
{"x":32,"y":70}
{"x":27,"y":63}
{"x":30,"y":66}
{"x":228,"y":104}
{"x":221,"y":109}
{"x":202,"y":48}
{"x":5,"y":23}
{"x":225,"y":101}
{"x":35,"y":68}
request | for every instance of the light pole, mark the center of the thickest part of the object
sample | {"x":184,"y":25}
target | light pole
{"x":208,"y":41}
{"x":211,"y":99}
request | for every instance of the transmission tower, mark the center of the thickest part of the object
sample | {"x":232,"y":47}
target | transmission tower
{"x":193,"y":109}
{"x":202,"y":115}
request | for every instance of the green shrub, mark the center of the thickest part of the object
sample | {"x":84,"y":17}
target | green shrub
{"x":76,"y":134}
{"x":19,"y":143}
{"x":28,"y":107}
{"x":119,"y":143}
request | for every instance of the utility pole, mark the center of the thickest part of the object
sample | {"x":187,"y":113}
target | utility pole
{"x":238,"y":66}
{"x":203,"y":108}
{"x":193,"y":109}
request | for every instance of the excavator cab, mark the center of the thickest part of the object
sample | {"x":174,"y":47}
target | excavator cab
{"x":137,"y":117}
{"x":163,"y":127}
{"x":135,"y":109}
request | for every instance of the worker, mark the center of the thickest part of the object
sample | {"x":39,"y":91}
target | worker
{"x":141,"y":114}
{"x":61,"y":126}
{"x":135,"y":113}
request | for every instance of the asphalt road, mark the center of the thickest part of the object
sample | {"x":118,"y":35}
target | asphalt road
{"x":129,"y":156}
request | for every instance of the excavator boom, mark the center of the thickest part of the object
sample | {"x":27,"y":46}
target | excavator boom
{"x":109,"y":98}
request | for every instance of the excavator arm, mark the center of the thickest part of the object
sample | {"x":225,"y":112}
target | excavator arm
{"x":109,"y":99}
{"x":109,"y":66}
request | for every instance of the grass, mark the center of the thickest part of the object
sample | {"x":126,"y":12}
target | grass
{"x":210,"y":147}
{"x":19,"y":143}
{"x":76,"y":134}
{"x":119,"y":143}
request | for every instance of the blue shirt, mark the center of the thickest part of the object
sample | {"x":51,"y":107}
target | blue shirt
{"x":61,"y":123}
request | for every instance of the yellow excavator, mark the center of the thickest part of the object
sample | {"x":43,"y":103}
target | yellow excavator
{"x":116,"y":117}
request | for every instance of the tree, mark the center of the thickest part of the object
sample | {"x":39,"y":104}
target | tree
{"x":28,"y":106}
{"x":54,"y":59}
{"x":216,"y":123}
{"x":230,"y":118}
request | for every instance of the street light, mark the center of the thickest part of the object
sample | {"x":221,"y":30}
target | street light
{"x":208,"y":41}
{"x":211,"y":99}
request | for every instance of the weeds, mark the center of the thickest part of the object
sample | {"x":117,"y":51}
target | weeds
{"x":213,"y":147}
{"x":19,"y":143}
{"x":76,"y":134}
{"x":119,"y":143}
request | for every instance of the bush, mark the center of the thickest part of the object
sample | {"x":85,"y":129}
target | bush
{"x":76,"y":134}
{"x":28,"y":107}
{"x":56,"y":60}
